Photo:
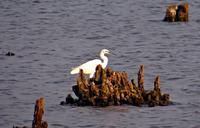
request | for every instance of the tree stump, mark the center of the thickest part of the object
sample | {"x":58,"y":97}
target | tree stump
{"x":141,"y":78}
{"x":176,"y":13}
{"x":38,"y":114}
{"x":110,"y":87}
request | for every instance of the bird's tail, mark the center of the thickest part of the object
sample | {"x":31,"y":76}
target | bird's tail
{"x":75,"y":71}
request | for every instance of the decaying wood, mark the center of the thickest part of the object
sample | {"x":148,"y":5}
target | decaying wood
{"x":176,"y":13}
{"x":38,"y":115}
{"x":141,"y":78}
{"x":157,"y":84}
{"x":110,"y":87}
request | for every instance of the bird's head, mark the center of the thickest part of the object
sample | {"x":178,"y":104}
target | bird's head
{"x":105,"y":51}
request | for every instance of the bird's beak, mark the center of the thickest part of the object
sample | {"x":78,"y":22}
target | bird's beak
{"x":107,"y":52}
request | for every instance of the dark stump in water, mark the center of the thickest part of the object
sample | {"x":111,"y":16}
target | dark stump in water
{"x":110,"y":87}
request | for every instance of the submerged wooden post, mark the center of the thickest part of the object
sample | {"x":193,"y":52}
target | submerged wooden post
{"x":98,"y":74}
{"x":141,"y":78}
{"x":83,"y":89}
{"x":176,"y":13}
{"x":157,"y":84}
{"x":38,"y":113}
{"x":81,"y":75}
{"x":170,"y":15}
{"x":183,"y":12}
{"x":154,"y":97}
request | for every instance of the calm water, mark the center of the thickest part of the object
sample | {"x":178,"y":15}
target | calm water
{"x":49,"y":37}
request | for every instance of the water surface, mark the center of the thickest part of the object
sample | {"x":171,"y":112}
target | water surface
{"x":50,"y":37}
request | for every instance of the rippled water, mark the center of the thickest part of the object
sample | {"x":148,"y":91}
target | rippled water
{"x":51,"y":36}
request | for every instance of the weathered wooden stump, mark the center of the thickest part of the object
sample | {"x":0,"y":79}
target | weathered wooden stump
{"x":155,"y":97}
{"x":170,"y":15}
{"x":110,"y":87}
{"x":38,"y":114}
{"x":141,"y":78}
{"x":183,"y":12}
{"x":176,"y":13}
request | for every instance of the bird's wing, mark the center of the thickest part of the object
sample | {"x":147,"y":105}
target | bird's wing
{"x":75,"y":70}
{"x":88,"y":67}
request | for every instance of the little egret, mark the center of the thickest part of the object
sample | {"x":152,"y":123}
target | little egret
{"x":90,"y":66}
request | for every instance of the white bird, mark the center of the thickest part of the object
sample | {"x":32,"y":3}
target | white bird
{"x":90,"y":66}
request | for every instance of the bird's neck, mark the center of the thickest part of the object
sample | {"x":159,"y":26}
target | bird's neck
{"x":105,"y":60}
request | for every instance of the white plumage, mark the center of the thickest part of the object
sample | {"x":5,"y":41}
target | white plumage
{"x":90,"y":66}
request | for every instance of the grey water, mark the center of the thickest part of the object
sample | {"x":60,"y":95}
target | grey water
{"x":49,"y":37}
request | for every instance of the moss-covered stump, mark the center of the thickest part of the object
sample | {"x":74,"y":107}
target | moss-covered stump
{"x":176,"y":13}
{"x":110,"y":87}
{"x":37,"y":116}
{"x":155,"y":97}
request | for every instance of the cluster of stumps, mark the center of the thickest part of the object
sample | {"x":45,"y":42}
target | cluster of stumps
{"x":113,"y":88}
{"x":176,"y":13}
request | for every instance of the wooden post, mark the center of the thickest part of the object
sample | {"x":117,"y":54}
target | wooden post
{"x":81,"y":75}
{"x":141,"y":78}
{"x":157,"y":84}
{"x":183,"y":12}
{"x":170,"y":15}
{"x":38,"y":113}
